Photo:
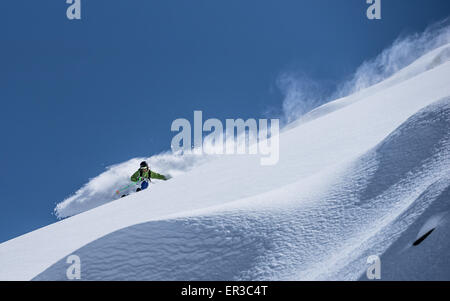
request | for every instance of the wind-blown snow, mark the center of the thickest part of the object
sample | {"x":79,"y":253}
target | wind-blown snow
{"x":365,"y":176}
{"x":303,"y":94}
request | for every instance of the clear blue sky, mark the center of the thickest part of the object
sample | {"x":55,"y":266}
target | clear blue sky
{"x":77,"y":96}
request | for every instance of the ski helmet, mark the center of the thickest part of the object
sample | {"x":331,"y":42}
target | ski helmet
{"x":144,"y":164}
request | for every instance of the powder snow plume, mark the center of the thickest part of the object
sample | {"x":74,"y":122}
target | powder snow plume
{"x":302,"y":94}
{"x":102,"y":189}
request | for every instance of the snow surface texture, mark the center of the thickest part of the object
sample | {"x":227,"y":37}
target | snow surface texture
{"x":366,"y":178}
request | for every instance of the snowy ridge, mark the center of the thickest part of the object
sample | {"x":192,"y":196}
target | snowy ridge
{"x":429,"y":61}
{"x":407,"y":57}
{"x":236,"y":245}
{"x":355,"y":181}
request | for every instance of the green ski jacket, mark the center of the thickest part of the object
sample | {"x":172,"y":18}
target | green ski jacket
{"x":147,"y":175}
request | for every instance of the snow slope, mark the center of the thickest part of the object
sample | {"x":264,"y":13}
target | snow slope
{"x":357,"y":179}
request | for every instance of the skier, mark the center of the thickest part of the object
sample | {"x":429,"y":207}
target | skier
{"x":144,"y":174}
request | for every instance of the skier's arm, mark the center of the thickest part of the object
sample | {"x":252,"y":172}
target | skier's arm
{"x":155,"y":175}
{"x":135,"y":176}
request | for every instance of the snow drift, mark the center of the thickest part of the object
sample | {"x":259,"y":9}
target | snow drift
{"x":364,"y":175}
